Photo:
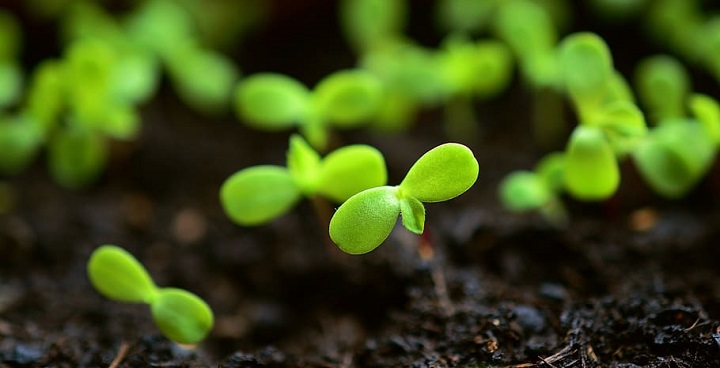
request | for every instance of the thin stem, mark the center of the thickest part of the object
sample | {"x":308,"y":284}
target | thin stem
{"x":426,"y":250}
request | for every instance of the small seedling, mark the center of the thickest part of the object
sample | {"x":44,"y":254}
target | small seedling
{"x":365,"y":220}
{"x":180,"y":315}
{"x":344,"y":99}
{"x":258,"y":194}
{"x":663,"y":85}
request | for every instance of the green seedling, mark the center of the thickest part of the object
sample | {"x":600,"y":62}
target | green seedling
{"x":180,"y":315}
{"x":465,"y":16}
{"x":19,"y":143}
{"x":258,"y":194}
{"x":675,"y":156}
{"x":372,"y":24}
{"x":587,"y":70}
{"x":663,"y":85}
{"x":528,"y":30}
{"x":591,"y":170}
{"x":537,"y":190}
{"x":344,"y":99}
{"x":10,"y":71}
{"x":365,"y":220}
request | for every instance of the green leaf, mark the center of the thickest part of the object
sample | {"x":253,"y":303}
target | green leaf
{"x":181,"y":316}
{"x":371,"y":23}
{"x":707,"y":111}
{"x":413,"y":214}
{"x":10,"y":36}
{"x":524,"y":191}
{"x":258,"y":194}
{"x":19,"y":142}
{"x":495,"y":65}
{"x":551,"y":171}
{"x":11,"y":83}
{"x":45,"y":96}
{"x":663,"y":85}
{"x":350,"y":170}
{"x":203,"y":78}
{"x":348,"y":98}
{"x":526,"y":27}
{"x":76,"y":158}
{"x":674,"y":157}
{"x":442,"y":173}
{"x":587,"y":68}
{"x":116,"y":274}
{"x":160,"y":26}
{"x":464,"y":16}
{"x":365,"y":220}
{"x":303,"y":163}
{"x":271,"y":101}
{"x":623,"y":124}
{"x":135,"y":78}
{"x":591,"y":169}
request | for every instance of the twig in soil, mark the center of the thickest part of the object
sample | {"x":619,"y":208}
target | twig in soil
{"x":427,"y":253}
{"x":122,"y":352}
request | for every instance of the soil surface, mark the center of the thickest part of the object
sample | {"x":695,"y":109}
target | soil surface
{"x":629,"y":283}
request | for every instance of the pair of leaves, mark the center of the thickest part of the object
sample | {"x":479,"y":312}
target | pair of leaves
{"x":365,"y":220}
{"x":259,"y":194}
{"x":179,"y":314}
{"x":344,"y":99}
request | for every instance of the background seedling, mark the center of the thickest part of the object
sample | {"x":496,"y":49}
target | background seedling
{"x":258,"y":194}
{"x":365,"y":220}
{"x":179,"y":314}
{"x":344,"y":99}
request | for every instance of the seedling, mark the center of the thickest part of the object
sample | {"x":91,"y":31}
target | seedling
{"x":372,"y":24}
{"x":663,"y":85}
{"x":344,"y":99}
{"x":365,"y":220}
{"x":258,"y":194}
{"x":180,"y":315}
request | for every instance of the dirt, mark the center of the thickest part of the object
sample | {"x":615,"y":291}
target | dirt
{"x":629,"y":283}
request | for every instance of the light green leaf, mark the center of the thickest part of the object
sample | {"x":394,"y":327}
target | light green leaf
{"x":315,"y":130}
{"x":526,"y":27}
{"x":45,"y":97}
{"x":258,"y":194}
{"x":303,"y":163}
{"x":350,"y":170}
{"x":464,"y":15}
{"x":495,"y":66}
{"x":116,"y":274}
{"x":271,"y":101}
{"x":524,"y":191}
{"x":371,"y":23}
{"x":181,"y":316}
{"x":623,"y":124}
{"x":348,"y":98}
{"x":587,"y":68}
{"x":11,"y":83}
{"x":551,"y":171}
{"x":19,"y":142}
{"x":203,"y":78}
{"x":591,"y":169}
{"x":662,"y":84}
{"x":413,"y":214}
{"x":442,"y":173}
{"x":707,"y":111}
{"x":674,"y":157}
{"x":365,"y":220}
{"x":76,"y":158}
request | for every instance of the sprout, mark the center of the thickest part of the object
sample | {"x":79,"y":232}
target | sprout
{"x":344,"y":99}
{"x":663,"y":85}
{"x":675,"y":156}
{"x":179,"y":314}
{"x":591,"y":169}
{"x":258,"y":194}
{"x":365,"y":220}
{"x":587,"y":69}
{"x":19,"y":143}
{"x":370,"y":24}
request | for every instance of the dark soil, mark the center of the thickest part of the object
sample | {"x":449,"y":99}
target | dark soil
{"x":629,"y":283}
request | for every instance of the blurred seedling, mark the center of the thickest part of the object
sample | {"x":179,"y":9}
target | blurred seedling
{"x":258,"y":194}
{"x":344,"y":99}
{"x":180,"y":315}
